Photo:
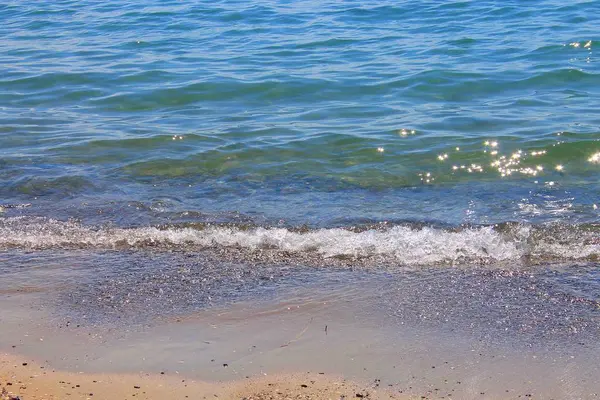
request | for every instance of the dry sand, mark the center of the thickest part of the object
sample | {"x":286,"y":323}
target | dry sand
{"x":21,"y":378}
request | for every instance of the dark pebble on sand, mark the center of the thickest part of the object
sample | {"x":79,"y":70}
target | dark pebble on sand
{"x":304,"y":386}
{"x":24,"y":364}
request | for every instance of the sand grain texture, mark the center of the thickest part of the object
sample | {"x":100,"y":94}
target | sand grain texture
{"x":26,"y":380}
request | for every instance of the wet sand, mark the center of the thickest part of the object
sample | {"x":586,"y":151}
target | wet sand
{"x":29,"y":380}
{"x":273,"y":351}
{"x":461,"y":334}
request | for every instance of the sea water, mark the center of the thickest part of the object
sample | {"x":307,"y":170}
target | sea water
{"x":438,"y":123}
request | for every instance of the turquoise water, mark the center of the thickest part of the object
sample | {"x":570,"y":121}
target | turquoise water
{"x":417,"y":115}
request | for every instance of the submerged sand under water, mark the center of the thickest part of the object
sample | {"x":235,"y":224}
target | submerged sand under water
{"x":259,"y":328}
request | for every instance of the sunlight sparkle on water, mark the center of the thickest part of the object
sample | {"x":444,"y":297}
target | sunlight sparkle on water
{"x":505,"y":164}
{"x":587,"y":44}
{"x":426,"y":177}
{"x":406,"y":132}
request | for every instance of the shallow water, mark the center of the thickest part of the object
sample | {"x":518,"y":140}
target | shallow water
{"x":369,"y":110}
{"x":425,"y":331}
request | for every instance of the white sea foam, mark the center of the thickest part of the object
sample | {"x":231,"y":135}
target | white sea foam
{"x":402,"y":244}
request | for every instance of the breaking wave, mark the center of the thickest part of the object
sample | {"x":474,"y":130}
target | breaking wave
{"x":399,"y":244}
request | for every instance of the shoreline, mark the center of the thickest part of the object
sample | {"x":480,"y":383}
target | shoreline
{"x":21,"y":378}
{"x":374,"y":334}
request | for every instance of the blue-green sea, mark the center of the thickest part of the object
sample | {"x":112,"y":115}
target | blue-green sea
{"x":396,"y":132}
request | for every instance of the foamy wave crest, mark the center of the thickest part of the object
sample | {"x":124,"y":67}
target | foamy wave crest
{"x":400,"y":244}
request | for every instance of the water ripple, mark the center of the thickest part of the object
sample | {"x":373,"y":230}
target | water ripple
{"x":122,"y":94}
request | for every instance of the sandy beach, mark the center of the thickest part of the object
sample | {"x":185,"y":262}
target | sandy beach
{"x":42,"y":360}
{"x":30,"y":380}
{"x":309,"y":343}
